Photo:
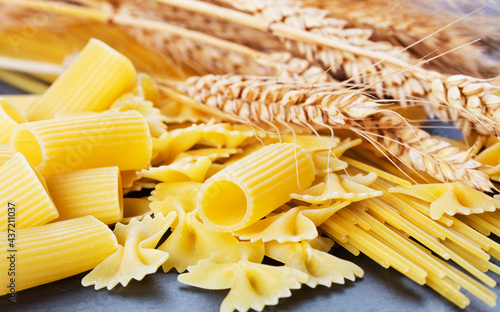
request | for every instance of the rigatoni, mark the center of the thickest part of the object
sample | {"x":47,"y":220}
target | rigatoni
{"x":26,"y":190}
{"x":5,"y":153}
{"x":91,"y":83}
{"x":90,"y":192}
{"x":254,"y":186}
{"x":54,"y":251}
{"x":97,"y":140}
{"x":22,"y":102}
{"x":10,"y":117}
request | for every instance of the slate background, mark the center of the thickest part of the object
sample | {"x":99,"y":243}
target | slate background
{"x":379,"y":290}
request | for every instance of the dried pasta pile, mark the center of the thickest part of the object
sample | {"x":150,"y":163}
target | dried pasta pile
{"x":300,"y":134}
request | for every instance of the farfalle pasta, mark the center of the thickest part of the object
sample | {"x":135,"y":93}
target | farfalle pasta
{"x":491,"y":159}
{"x":90,"y":84}
{"x":174,"y":142}
{"x":321,"y":267}
{"x":25,"y":189}
{"x":293,"y":225}
{"x":177,"y":141}
{"x":212,"y":153}
{"x":90,"y":192}
{"x":333,"y":187}
{"x":253,"y":285}
{"x":222,"y":135}
{"x":192,"y":241}
{"x":143,"y":87}
{"x":136,"y":255}
{"x":175,"y":196}
{"x":67,"y":144}
{"x":178,"y":172}
{"x":153,"y":116}
{"x":325,"y":164}
{"x":450,"y":198}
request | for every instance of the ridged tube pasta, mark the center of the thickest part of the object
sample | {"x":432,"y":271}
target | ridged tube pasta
{"x":5,"y":153}
{"x":90,"y":192}
{"x":252,"y":187}
{"x":54,"y":251}
{"x":27,"y":193}
{"x":91,"y":83}
{"x":10,"y":117}
{"x":22,"y":102}
{"x":97,"y":140}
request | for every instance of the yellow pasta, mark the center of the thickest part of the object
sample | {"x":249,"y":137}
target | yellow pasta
{"x":177,"y":141}
{"x":136,"y":255}
{"x":137,"y":208}
{"x":129,"y":177}
{"x":143,"y":87}
{"x":156,"y":121}
{"x":212,"y":153}
{"x":252,"y":187}
{"x":146,"y":88}
{"x":381,"y":173}
{"x":309,"y":142}
{"x":321,"y":267}
{"x":91,"y":83}
{"x":55,"y":251}
{"x":324,"y":163}
{"x":5,"y":153}
{"x":222,"y":135}
{"x":332,"y":187}
{"x":22,"y":102}
{"x":253,"y":285}
{"x":98,"y":140}
{"x":90,"y":192}
{"x":294,"y":225}
{"x":191,"y":241}
{"x":24,"y":197}
{"x":450,"y":198}
{"x":10,"y":117}
{"x":179,"y":172}
{"x":174,"y":142}
{"x":177,"y":196}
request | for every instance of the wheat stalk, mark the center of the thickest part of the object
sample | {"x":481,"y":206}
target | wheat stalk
{"x":265,"y":102}
{"x":382,"y":67}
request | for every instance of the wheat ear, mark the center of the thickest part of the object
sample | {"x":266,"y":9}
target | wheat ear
{"x":264,"y":101}
{"x":406,"y":22}
{"x":386,"y":69}
{"x":416,"y":147}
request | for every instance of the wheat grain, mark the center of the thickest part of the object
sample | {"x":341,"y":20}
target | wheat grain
{"x":264,"y":101}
